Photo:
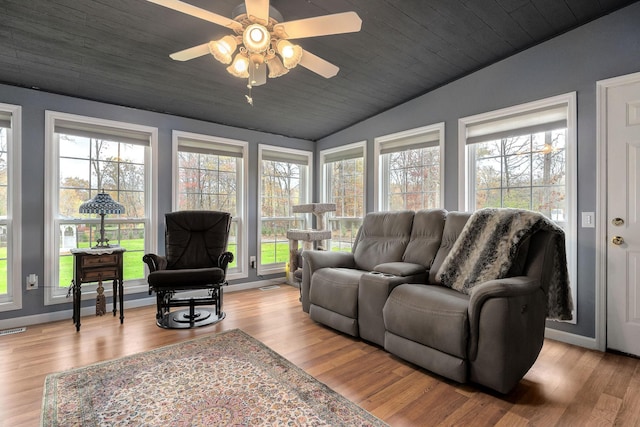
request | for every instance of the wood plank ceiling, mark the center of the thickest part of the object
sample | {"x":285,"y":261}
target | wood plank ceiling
{"x":116,"y":51}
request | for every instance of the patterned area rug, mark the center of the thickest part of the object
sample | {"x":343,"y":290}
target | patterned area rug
{"x":224,"y":379}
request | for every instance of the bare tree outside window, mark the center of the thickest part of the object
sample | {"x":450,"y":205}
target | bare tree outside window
{"x":88,"y":166}
{"x":280,"y":192}
{"x":526,"y":171}
{"x":210,"y":182}
{"x":345,"y":189}
{"x":414,"y":179}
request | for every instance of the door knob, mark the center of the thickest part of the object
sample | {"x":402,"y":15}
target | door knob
{"x":617,"y":221}
{"x":617,"y":240}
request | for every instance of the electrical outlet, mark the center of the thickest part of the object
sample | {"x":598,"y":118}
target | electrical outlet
{"x":252,"y":261}
{"x":32,"y":281}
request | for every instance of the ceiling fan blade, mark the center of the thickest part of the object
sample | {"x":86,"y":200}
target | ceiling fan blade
{"x":318,"y":65}
{"x":258,"y":9}
{"x":191,"y":53}
{"x":258,"y":75}
{"x":338,"y":23}
{"x":197,"y":12}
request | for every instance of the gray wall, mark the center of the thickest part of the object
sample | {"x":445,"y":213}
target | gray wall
{"x":575,"y":61}
{"x":34,"y":103}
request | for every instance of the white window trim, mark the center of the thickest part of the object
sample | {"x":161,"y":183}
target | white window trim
{"x":241,"y":220}
{"x":280,"y":267}
{"x":14,"y":210}
{"x":51,"y":194}
{"x":381,"y":183}
{"x":464,"y":185}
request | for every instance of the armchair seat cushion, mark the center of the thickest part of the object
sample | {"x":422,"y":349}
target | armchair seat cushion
{"x":188,"y":278}
{"x":336,"y":289}
{"x":430,"y":315}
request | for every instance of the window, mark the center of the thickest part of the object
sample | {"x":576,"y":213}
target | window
{"x":10,"y":210}
{"x":284,"y":183}
{"x":343,"y":183}
{"x":85,"y":156}
{"x":211,"y":174}
{"x":409,"y":167}
{"x":524,"y":157}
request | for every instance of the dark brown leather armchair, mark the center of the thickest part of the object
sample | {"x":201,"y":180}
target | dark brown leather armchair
{"x":196,"y":259}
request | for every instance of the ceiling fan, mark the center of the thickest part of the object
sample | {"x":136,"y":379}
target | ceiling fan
{"x":260,"y":40}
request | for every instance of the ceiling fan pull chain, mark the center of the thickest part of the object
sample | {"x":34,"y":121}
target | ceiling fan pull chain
{"x":249,"y":97}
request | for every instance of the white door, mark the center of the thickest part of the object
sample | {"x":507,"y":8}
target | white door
{"x":623,"y":217}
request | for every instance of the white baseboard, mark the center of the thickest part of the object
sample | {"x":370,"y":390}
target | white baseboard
{"x":572,"y":339}
{"x":55,"y":316}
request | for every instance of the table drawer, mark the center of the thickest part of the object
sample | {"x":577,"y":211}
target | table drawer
{"x":99,"y":260}
{"x":100,"y":274}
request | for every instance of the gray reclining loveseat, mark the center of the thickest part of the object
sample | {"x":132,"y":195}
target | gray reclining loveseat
{"x":389,"y":290}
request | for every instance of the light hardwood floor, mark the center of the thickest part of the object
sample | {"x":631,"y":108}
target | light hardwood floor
{"x":567,"y":386}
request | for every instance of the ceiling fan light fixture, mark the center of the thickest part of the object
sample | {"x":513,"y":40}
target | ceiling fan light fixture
{"x":276,"y":68}
{"x":223,"y":49}
{"x":239,"y":67}
{"x":256,"y":38}
{"x":290,"y":53}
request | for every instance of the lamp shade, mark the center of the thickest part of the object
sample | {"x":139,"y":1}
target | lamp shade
{"x":276,"y":69}
{"x":101,"y":204}
{"x":223,"y":49}
{"x":291,"y":53}
{"x":239,"y":67}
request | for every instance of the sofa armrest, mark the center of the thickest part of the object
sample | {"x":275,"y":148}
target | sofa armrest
{"x":502,"y":288}
{"x":511,"y":286}
{"x":506,"y":327}
{"x":315,"y":260}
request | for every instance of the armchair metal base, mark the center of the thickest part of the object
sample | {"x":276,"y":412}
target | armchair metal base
{"x":183,"y":319}
{"x":192,"y":317}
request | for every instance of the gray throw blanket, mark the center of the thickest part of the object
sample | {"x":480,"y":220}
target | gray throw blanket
{"x":488,"y":247}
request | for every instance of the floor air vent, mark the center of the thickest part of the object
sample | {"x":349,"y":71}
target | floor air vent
{"x":12,"y":331}
{"x":268,"y":288}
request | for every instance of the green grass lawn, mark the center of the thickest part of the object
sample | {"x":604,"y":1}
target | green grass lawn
{"x":272,"y":253}
{"x":133,"y":265}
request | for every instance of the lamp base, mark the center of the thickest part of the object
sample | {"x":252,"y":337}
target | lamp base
{"x":107,"y":246}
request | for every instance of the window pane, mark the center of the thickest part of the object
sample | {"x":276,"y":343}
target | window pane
{"x":74,"y":147}
{"x":527,"y":172}
{"x":413,"y":179}
{"x":346,"y":189}
{"x":212,"y":182}
{"x":519,"y":198}
{"x":283,"y":185}
{"x":488,"y":198}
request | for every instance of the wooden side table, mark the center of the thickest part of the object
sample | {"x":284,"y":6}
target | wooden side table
{"x":96,"y":265}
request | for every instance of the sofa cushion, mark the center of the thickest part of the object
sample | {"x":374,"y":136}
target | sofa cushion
{"x":336,"y":289}
{"x":426,"y":236}
{"x":452,"y":228}
{"x":382,"y":238}
{"x":433,"y":316}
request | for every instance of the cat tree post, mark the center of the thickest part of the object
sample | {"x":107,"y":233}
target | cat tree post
{"x":309,"y":236}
